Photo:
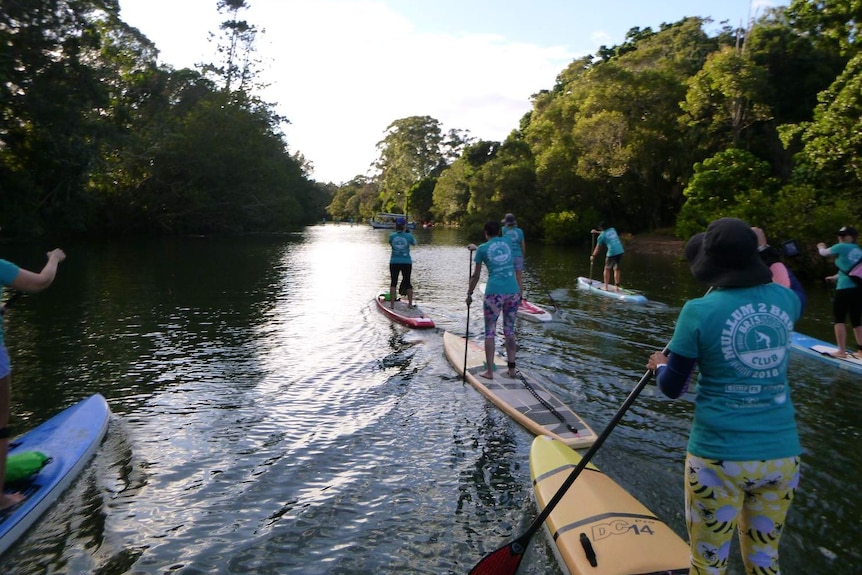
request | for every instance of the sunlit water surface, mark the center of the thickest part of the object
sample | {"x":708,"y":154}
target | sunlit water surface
{"x":269,"y":420}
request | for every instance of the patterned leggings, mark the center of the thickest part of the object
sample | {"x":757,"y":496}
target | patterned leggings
{"x":756,"y":494}
{"x":493,"y":306}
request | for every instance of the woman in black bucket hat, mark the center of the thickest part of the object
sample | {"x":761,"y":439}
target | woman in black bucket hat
{"x":742,"y":461}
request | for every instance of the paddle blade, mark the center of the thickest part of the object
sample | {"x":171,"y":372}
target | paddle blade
{"x":503,"y":561}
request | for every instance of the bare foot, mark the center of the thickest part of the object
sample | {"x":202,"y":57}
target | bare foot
{"x":487,"y":375}
{"x":838,"y":354}
{"x":512,"y":374}
{"x":9,"y":500}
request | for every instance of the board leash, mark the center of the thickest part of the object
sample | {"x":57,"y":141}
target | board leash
{"x":547,"y":405}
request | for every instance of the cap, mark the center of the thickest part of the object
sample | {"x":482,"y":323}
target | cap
{"x":400,"y":221}
{"x":848,"y":231}
{"x":509,"y":219}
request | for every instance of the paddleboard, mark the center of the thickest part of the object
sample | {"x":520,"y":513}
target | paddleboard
{"x":819,"y":349}
{"x":528,"y":310}
{"x":598,"y":528}
{"x":598,"y":287}
{"x":69,"y":439}
{"x":403,"y":313}
{"x":522,"y":398}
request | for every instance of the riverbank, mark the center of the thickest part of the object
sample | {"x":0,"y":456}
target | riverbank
{"x":654,"y":244}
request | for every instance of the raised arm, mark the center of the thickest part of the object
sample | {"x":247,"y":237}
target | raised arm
{"x":32,"y":282}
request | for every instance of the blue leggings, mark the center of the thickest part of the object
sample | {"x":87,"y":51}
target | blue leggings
{"x":753,"y":494}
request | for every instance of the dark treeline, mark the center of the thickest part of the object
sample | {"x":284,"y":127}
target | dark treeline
{"x":667,"y":131}
{"x":97,"y":139}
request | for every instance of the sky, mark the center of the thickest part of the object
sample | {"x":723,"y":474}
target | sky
{"x":341,"y":71}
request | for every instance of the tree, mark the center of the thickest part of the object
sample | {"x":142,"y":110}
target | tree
{"x":832,"y":142}
{"x":727,"y":96}
{"x":411,"y":150}
{"x":237,"y":47}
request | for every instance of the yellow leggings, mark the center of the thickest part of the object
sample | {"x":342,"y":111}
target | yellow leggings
{"x":753,"y":494}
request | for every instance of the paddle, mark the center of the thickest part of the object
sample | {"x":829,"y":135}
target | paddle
{"x":592,"y":249}
{"x":467,"y":328}
{"x":550,"y":297}
{"x":506,"y":559}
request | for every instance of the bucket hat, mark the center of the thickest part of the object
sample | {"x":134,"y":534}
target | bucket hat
{"x":725,"y":255}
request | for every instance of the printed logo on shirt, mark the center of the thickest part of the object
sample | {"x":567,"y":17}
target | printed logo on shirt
{"x":400,"y":244}
{"x":755,"y":341}
{"x":499,"y":252}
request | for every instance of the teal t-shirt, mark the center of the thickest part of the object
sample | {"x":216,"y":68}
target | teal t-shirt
{"x":498,"y":257}
{"x":741,"y":339}
{"x":848,"y":254}
{"x":610,"y":238}
{"x":401,"y":242}
{"x":8,"y":273}
{"x":516,"y":236}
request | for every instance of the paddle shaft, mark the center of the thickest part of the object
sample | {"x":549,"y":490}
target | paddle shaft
{"x":467,"y":328}
{"x":505,"y":560}
{"x":592,"y":249}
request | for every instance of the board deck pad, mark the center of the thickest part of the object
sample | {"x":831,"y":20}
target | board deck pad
{"x":403,"y":313}
{"x":523,"y":398}
{"x":597,"y":517}
{"x":598,"y":287}
{"x":823,"y":351}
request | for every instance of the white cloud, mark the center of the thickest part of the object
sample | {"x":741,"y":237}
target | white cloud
{"x":341,"y":73}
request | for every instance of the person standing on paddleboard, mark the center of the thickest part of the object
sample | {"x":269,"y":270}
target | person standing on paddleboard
{"x":502,"y":294}
{"x":608,"y":236}
{"x":743,"y":455}
{"x":26,"y":281}
{"x":400,"y":262}
{"x":519,"y":247}
{"x":848,"y":294}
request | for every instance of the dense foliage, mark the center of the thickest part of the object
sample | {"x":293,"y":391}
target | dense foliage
{"x":672,"y":129}
{"x":667,"y":130}
{"x":96,"y":138}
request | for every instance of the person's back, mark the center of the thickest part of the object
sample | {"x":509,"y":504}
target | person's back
{"x":741,"y":340}
{"x":743,"y":455}
{"x":496,"y":253}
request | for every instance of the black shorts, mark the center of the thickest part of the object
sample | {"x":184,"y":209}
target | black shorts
{"x":405,"y":270}
{"x":613,"y":262}
{"x":848,"y":302}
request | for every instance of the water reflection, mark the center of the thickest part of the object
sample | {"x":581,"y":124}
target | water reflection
{"x":268,"y":419}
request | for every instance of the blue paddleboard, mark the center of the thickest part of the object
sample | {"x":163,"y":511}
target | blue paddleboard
{"x":819,"y":349}
{"x":69,"y":439}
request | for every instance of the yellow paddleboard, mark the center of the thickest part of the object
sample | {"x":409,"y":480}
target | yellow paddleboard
{"x":523,"y":398}
{"x":598,"y":528}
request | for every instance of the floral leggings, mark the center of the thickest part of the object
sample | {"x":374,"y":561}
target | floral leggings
{"x":493,"y":305}
{"x":754,"y":494}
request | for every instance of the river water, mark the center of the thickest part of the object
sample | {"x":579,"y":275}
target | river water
{"x":267,"y":419}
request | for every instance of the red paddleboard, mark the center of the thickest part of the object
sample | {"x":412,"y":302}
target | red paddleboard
{"x":403,"y":313}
